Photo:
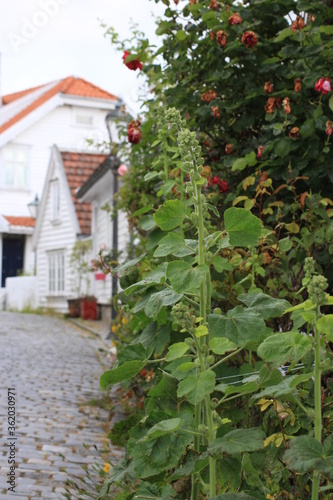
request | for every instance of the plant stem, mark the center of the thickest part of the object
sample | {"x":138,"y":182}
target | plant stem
{"x":317,"y":420}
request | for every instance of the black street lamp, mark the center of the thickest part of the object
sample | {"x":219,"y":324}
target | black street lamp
{"x":33,"y":207}
{"x":114,"y":165}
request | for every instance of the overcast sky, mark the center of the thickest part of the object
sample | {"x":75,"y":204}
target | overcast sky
{"x":46,"y":40}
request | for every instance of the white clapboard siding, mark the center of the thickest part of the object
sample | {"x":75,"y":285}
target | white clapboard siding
{"x":54,"y":237}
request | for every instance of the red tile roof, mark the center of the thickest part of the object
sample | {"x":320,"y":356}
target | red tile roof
{"x":67,"y":86}
{"x":20,"y":221}
{"x":78,"y":168}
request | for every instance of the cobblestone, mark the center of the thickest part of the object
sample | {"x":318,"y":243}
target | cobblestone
{"x":54,"y":366}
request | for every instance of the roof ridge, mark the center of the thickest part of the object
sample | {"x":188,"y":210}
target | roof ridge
{"x":95,"y":86}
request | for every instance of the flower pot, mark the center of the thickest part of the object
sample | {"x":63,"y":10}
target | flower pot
{"x":88,"y":308}
{"x":74,"y":308}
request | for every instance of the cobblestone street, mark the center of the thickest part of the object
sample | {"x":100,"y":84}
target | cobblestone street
{"x":54,"y":367}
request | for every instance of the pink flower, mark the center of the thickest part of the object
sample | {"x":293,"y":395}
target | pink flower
{"x":323,"y":85}
{"x":103,"y":246}
{"x":122,"y":170}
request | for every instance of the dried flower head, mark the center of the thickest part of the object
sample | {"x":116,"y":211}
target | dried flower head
{"x":228,"y":149}
{"x":249,"y":39}
{"x":298,"y":85}
{"x":208,"y":96}
{"x":272,"y":103}
{"x":268,"y":87}
{"x":294,"y":133}
{"x":286,"y":105}
{"x":213,"y":5}
{"x":221,"y":38}
{"x":260,"y":151}
{"x":215,"y":111}
{"x":299,"y":24}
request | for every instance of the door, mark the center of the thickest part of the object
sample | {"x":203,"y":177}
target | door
{"x":12,"y":256}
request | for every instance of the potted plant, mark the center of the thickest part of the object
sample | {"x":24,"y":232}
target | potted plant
{"x":83,"y":304}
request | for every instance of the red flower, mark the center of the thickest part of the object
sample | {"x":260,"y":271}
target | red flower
{"x":323,"y":85}
{"x":249,"y":39}
{"x":133,"y":132}
{"x":260,"y":150}
{"x":208,"y":96}
{"x":215,"y":111}
{"x":223,"y":185}
{"x":221,"y":38}
{"x":235,"y":19}
{"x":133,"y":65}
{"x":228,"y":149}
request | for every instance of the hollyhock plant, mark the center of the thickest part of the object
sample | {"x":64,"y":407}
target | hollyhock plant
{"x":249,"y":39}
{"x":132,"y":65}
{"x":133,"y":132}
{"x":323,"y":85}
{"x":235,"y":19}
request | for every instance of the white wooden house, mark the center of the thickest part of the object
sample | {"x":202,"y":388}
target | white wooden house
{"x":98,"y":190}
{"x":64,"y":112}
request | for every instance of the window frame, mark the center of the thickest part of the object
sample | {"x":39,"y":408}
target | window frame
{"x":15,"y":165}
{"x":56,"y":275}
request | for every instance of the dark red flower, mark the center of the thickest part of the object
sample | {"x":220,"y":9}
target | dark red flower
{"x":133,"y":65}
{"x":223,"y":185}
{"x":221,"y":38}
{"x":323,"y":85}
{"x":249,"y":39}
{"x":228,"y":149}
{"x":133,"y":132}
{"x":260,"y":150}
{"x":215,"y":111}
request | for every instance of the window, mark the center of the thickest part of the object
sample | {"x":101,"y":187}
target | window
{"x":84,"y":120}
{"x":55,"y":200}
{"x":16,"y":159}
{"x":56,"y":272}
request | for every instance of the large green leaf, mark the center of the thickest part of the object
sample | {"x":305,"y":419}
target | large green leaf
{"x":243,"y":228}
{"x":176,"y":351}
{"x":221,"y":345}
{"x":164,"y":396}
{"x":306,"y":453}
{"x":267,"y":306}
{"x":284,"y":347}
{"x":241,"y":326}
{"x":170,"y":215}
{"x":171,"y":243}
{"x":239,"y":441}
{"x":325,"y":326}
{"x":196,"y":388}
{"x":134,"y":352}
{"x":164,"y":427}
{"x":155,"y":337}
{"x":286,"y":387}
{"x":123,"y":372}
{"x":183,"y":277}
{"x":127,"y":265}
{"x":222,"y":264}
{"x":282,"y":147}
{"x":157,"y":300}
{"x":153,"y":278}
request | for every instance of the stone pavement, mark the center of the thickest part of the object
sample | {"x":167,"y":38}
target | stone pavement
{"x":54,"y":367}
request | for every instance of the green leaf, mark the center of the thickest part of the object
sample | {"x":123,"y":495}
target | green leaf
{"x":239,"y":441}
{"x":123,"y":372}
{"x":251,"y":159}
{"x":285,"y":244}
{"x":239,"y":164}
{"x":284,"y":347}
{"x":155,"y":337}
{"x":282,"y":147}
{"x":142,"y":210}
{"x":147,"y":222}
{"x":286,"y":33}
{"x":164,"y":427}
{"x":222,"y":264}
{"x":170,"y":215}
{"x":181,"y":35}
{"x":134,"y":352}
{"x":240,"y":326}
{"x":183,"y":277}
{"x":196,"y":388}
{"x":221,"y":345}
{"x":153,"y":278}
{"x":176,"y":351}
{"x":307,"y":129}
{"x":330,"y":103}
{"x":151,"y":175}
{"x":171,"y":243}
{"x":157,"y":300}
{"x":267,"y":306}
{"x":201,"y":331}
{"x":234,"y":496}
{"x":325,"y":326}
{"x":243,"y":228}
{"x":306,"y":453}
{"x":128,"y":265}
{"x":189,"y":249}
{"x":285,"y":387}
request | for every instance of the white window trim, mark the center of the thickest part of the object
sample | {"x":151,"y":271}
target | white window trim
{"x":55,"y":201}
{"x":15,"y":187}
{"x":56,"y":275}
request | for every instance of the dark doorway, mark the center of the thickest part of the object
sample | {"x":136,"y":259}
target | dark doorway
{"x":12,"y":256}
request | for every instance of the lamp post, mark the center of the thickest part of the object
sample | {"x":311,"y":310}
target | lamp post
{"x":33,"y":209}
{"x":114,"y":165}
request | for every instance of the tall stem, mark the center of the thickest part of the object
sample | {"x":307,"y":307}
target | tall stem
{"x":317,"y":387}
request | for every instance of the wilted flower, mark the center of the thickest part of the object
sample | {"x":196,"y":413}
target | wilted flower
{"x":122,"y":170}
{"x":133,"y":65}
{"x":311,"y":18}
{"x":286,"y":105}
{"x":249,"y":39}
{"x":272,"y":103}
{"x":216,"y":112}
{"x":298,"y":85}
{"x":294,"y":132}
{"x":208,"y":96}
{"x":260,"y":151}
{"x":228,"y":149}
{"x":268,"y":87}
{"x":212,"y":34}
{"x":221,"y":37}
{"x":235,"y":19}
{"x":133,"y":132}
{"x":299,"y":24}
{"x":323,"y":85}
{"x":329,"y":127}
{"x":223,"y":185}
{"x":213,"y":5}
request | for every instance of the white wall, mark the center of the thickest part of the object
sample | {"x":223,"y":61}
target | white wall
{"x":21,"y":293}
